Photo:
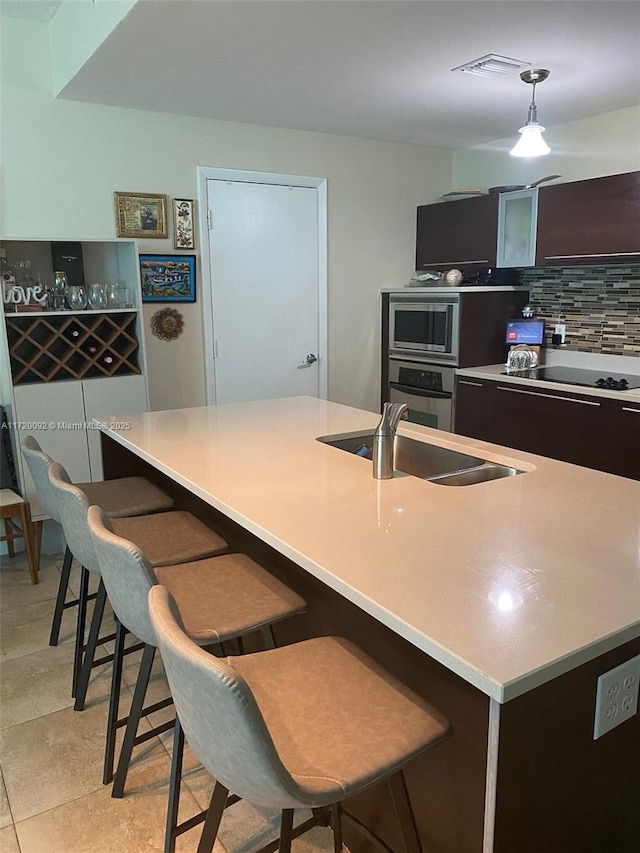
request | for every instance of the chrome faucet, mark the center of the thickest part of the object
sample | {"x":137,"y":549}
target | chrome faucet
{"x":384,"y":439}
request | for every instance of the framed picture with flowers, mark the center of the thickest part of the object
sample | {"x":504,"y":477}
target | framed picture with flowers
{"x":184,"y":233}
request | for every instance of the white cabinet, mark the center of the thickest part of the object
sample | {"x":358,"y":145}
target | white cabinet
{"x":120,"y":396}
{"x":42,"y":411}
{"x":60,"y":414}
{"x":517,"y":226}
{"x":61,"y":369}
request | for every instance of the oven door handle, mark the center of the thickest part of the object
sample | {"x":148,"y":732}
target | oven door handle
{"x":420,"y":392}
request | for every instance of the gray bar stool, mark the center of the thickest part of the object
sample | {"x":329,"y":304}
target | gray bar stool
{"x":302,"y":726}
{"x":119,"y":498}
{"x":220,"y":599}
{"x":167,"y":538}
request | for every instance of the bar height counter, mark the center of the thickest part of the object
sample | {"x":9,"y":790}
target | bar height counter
{"x":500,"y":602}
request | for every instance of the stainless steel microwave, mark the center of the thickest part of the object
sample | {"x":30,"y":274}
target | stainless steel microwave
{"x":424,"y":327}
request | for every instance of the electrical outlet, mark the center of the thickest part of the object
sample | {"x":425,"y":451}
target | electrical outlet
{"x":560,"y":329}
{"x":617,"y":696}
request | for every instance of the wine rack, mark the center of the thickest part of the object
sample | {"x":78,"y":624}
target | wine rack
{"x":54,"y":347}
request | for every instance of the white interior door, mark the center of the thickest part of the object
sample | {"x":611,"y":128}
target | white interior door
{"x":263,"y":261}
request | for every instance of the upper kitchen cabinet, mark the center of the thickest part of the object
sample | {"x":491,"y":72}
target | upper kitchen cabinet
{"x":593,"y":221}
{"x":517,"y":222}
{"x":457,"y":233}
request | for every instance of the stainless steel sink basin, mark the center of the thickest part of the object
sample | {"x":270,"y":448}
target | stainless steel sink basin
{"x":426,"y":461}
{"x":482,"y":474}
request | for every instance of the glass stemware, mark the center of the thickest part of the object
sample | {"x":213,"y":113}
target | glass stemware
{"x":76,"y":297}
{"x":115,"y":295}
{"x":98,"y":299}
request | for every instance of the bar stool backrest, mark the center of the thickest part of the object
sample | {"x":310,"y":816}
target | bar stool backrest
{"x":38,"y":464}
{"x":127,"y":575}
{"x":219,"y":714}
{"x":73,"y":506}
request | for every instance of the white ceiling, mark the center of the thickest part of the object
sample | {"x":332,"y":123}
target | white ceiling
{"x":376,"y":69}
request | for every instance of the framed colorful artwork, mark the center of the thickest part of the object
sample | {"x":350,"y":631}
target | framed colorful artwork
{"x":168,"y":278}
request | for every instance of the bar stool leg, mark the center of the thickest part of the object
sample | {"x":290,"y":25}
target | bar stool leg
{"x":336,"y":825}
{"x":174,"y":788}
{"x":286,"y":831}
{"x":62,"y":592}
{"x":114,"y":702}
{"x":132,"y":723}
{"x":90,"y":651}
{"x":213,"y":818}
{"x":80,"y":629}
{"x":404,"y":813}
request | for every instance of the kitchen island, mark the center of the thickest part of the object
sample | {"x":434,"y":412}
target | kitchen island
{"x":501,"y":602}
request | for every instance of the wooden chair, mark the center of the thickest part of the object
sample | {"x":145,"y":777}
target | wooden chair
{"x":13,"y":506}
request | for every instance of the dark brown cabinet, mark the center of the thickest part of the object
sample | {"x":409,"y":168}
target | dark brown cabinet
{"x":586,"y":222}
{"x":459,"y":233}
{"x":556,"y":424}
{"x":624,"y":439}
{"x":596,"y":221}
{"x":595,"y":432}
{"x":474,"y":408}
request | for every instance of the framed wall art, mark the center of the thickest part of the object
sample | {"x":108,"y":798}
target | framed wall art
{"x":183,"y":224}
{"x":168,"y":278}
{"x":141,"y":215}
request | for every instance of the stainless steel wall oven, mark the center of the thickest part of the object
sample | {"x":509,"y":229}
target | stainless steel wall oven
{"x":425,"y":336}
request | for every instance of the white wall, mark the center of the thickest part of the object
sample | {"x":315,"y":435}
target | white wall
{"x":63,"y":160}
{"x":607,"y":144}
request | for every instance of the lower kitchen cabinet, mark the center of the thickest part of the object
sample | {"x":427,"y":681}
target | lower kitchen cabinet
{"x":595,"y":432}
{"x":624,"y":439}
{"x":474,"y":408}
{"x":57,"y":415}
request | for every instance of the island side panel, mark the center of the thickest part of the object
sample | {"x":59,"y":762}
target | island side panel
{"x":559,"y":791}
{"x":447,"y":784}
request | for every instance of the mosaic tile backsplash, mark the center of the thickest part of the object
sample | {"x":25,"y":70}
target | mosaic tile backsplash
{"x":600,"y":306}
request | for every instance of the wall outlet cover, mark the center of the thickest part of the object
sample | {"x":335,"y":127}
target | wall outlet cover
{"x":616,"y":696}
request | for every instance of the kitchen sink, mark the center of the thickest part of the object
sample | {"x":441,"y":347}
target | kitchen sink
{"x":427,"y":461}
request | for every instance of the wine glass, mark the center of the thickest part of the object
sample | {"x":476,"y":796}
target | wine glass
{"x":98,"y":298}
{"x":76,"y":297}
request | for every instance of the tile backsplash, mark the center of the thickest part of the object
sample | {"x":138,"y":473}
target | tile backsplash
{"x":600,"y":306}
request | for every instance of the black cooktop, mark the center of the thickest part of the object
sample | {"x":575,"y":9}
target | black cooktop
{"x":578,"y":376}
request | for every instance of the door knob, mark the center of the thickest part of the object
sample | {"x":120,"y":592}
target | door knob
{"x":309,"y":360}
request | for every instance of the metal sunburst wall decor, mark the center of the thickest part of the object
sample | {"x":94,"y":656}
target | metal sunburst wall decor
{"x":167,"y":324}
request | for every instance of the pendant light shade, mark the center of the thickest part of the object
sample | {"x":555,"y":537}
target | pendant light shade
{"x":531,"y":143}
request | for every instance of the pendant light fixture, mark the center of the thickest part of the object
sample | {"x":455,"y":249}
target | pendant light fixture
{"x":531,"y":143}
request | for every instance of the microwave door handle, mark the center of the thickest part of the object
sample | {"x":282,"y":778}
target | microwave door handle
{"x":420,"y":392}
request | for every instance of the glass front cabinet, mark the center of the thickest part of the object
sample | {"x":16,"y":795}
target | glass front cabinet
{"x":517,"y":224}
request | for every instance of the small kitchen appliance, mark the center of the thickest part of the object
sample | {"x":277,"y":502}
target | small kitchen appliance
{"x":425,"y":327}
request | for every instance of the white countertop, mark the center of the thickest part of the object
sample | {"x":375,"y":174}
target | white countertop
{"x":495,"y":372}
{"x":443,"y":288}
{"x":507,"y":583}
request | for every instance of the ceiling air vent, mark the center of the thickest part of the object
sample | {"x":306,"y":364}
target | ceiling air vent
{"x":492,"y":65}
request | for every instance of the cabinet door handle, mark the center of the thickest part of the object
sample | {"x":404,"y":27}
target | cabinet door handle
{"x":549,"y":396}
{"x":627,"y":409}
{"x":593,"y":255}
{"x":442,"y":263}
{"x":467,"y":382}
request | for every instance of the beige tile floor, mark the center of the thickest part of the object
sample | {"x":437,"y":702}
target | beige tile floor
{"x":51,"y":795}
